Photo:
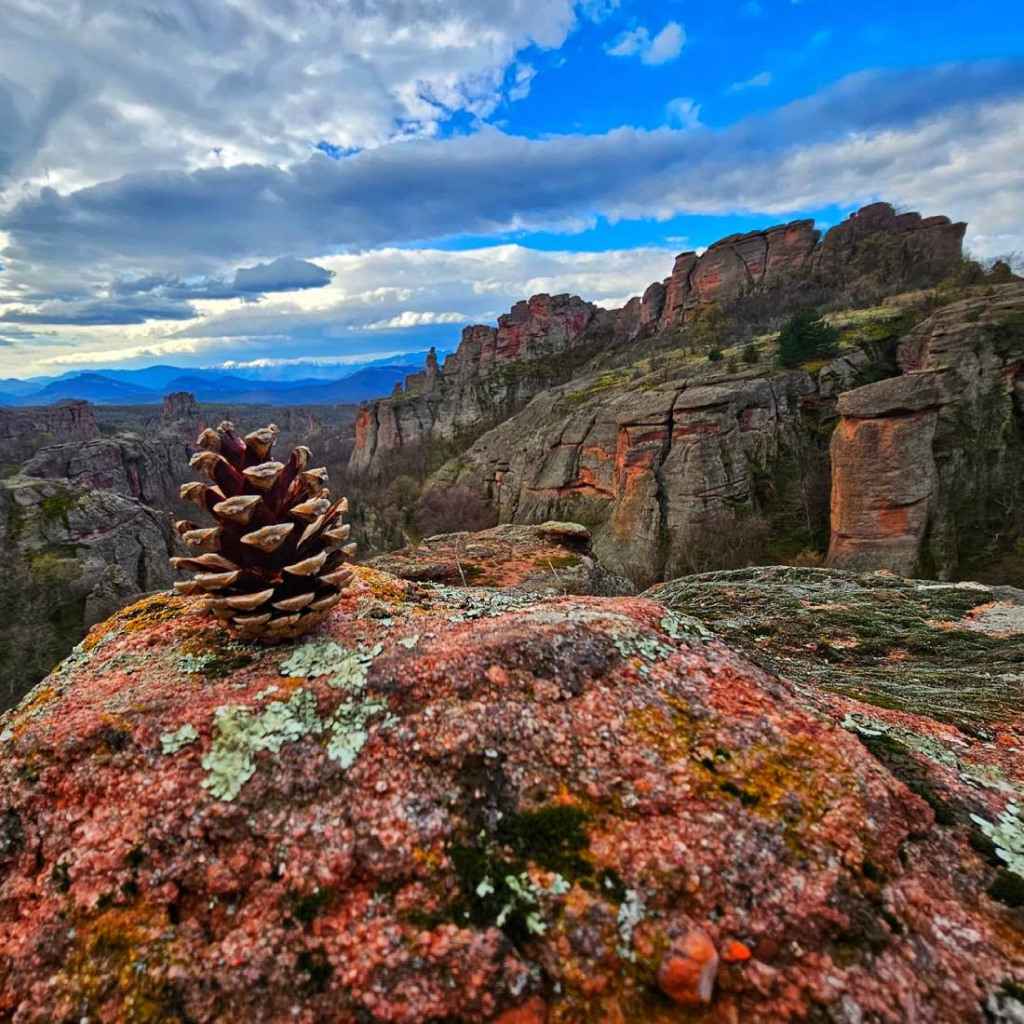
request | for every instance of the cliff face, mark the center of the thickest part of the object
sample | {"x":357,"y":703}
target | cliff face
{"x":493,"y":371}
{"x":479,"y":805}
{"x":69,"y":557}
{"x":928,"y":467}
{"x":23,"y":431}
{"x":497,"y":369}
{"x":150,"y":470}
{"x":656,"y":471}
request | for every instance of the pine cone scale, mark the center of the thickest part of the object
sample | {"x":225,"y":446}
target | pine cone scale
{"x":274,"y":565}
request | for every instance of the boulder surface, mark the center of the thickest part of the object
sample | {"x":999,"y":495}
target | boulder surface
{"x":472,"y":805}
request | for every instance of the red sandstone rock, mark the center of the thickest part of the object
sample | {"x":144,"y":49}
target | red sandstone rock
{"x":180,"y":403}
{"x":465,"y":805}
{"x":549,"y":558}
{"x":688,"y":970}
{"x":917,"y":460}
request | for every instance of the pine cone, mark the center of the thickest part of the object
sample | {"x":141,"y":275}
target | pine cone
{"x":274,"y":565}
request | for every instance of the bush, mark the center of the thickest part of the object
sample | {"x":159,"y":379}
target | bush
{"x":806,"y":337}
{"x":453,"y":511}
{"x":715,"y":355}
{"x":731,"y":365}
{"x":750,"y":354}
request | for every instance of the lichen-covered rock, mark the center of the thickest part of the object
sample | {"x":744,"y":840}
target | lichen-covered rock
{"x":929,"y":676}
{"x":469,"y":805}
{"x":552,"y":558}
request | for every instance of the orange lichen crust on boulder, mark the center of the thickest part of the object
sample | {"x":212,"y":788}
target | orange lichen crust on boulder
{"x":466,"y":805}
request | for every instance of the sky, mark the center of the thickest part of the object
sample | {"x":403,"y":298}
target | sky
{"x":218,"y":182}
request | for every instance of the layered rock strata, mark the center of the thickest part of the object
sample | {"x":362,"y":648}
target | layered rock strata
{"x":928,"y":467}
{"x":495,"y":370}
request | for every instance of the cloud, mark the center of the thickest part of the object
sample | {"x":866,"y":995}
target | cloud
{"x":94,"y":89}
{"x":927,"y":137}
{"x":138,"y":299}
{"x":437,"y":292}
{"x":284,"y":274}
{"x":683,"y":112}
{"x":759,"y":81}
{"x":665,"y":46}
{"x":99,"y":311}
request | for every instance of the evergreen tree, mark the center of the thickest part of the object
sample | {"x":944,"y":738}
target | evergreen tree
{"x":806,"y":337}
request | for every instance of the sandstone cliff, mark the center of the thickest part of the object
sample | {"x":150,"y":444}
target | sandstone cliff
{"x":69,"y":557}
{"x":928,"y":467}
{"x":475,"y":805}
{"x":149,"y":469}
{"x":543,"y":342}
{"x":494,"y":371}
{"x":24,"y":431}
{"x":656,"y":470}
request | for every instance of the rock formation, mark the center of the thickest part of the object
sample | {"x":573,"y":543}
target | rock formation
{"x":477,"y":805}
{"x":551,"y":558}
{"x":929,"y":466}
{"x":69,"y":557}
{"x":23,"y":431}
{"x":649,"y":467}
{"x":481,"y":382}
{"x":496,"y":370}
{"x":149,"y":469}
{"x":180,"y":404}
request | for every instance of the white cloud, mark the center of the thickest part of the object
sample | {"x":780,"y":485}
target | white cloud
{"x":440,"y":289}
{"x":758,"y":81}
{"x":412,"y":318}
{"x":638,"y":42}
{"x":92,"y":89}
{"x":683,"y":112}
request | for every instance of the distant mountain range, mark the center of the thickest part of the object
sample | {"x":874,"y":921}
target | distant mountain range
{"x":244,"y":386}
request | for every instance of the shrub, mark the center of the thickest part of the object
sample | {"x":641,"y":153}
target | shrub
{"x":731,"y":365}
{"x":806,"y":336}
{"x":454,"y":510}
{"x":715,"y":355}
{"x":750,"y":354}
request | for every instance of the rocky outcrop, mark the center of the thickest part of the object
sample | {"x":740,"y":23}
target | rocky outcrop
{"x":794,"y":258}
{"x":927,"y":467}
{"x":69,"y":557}
{"x":151,"y":470}
{"x":496,"y":370}
{"x":477,"y":805}
{"x":738,"y":266}
{"x":552,"y":558}
{"x":180,"y":404}
{"x":655,"y":470}
{"x":24,"y":431}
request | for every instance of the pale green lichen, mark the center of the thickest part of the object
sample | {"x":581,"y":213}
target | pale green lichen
{"x":631,"y":913}
{"x":685,"y":627}
{"x":525,"y":900}
{"x":934,"y":750}
{"x":346,"y":668}
{"x":349,"y":731}
{"x":1008,"y":836}
{"x":172,"y":742}
{"x":315,"y":658}
{"x":240,"y":733}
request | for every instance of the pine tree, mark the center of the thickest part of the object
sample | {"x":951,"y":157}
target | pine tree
{"x":274,"y":565}
{"x":806,"y":337}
